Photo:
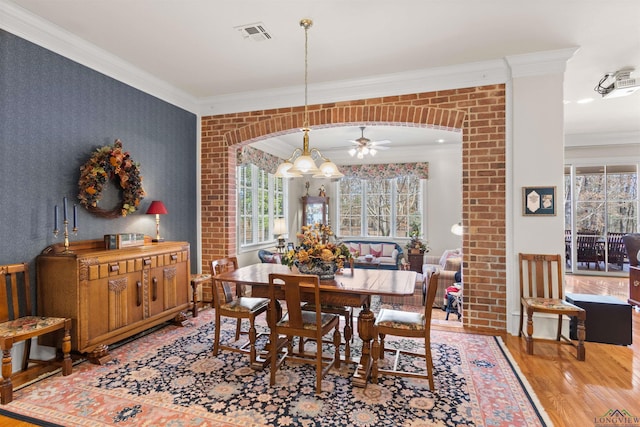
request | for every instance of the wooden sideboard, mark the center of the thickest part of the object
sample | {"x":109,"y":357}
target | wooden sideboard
{"x":113,"y":294}
{"x":634,"y":285}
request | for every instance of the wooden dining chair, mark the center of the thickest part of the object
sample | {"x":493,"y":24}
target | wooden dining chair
{"x":541,"y":291}
{"x":405,"y":324}
{"x":235,"y":305}
{"x":18,"y":324}
{"x":297,"y":322}
{"x":341,"y":310}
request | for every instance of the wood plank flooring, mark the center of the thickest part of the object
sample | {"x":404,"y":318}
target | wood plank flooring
{"x":572,"y":393}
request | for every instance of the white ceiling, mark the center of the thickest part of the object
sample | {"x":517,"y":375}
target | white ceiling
{"x":194,"y":48}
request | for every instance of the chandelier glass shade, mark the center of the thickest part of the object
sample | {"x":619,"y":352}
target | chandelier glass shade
{"x":302,"y":161}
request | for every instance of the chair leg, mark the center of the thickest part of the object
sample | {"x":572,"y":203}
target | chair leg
{"x":382,"y":350}
{"x":521,"y":320}
{"x":429,"y":361}
{"x":559,"y":332}
{"x":337,"y":339}
{"x":529,"y":337}
{"x":26,"y":354}
{"x":66,"y":349}
{"x":6,"y":388}
{"x":216,"y":335}
{"x":348,"y":335}
{"x":318,"y":365}
{"x":238,"y":326}
{"x":581,"y":337}
{"x":252,"y":341}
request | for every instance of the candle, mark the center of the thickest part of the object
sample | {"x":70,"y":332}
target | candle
{"x":55,"y":218}
{"x":75,"y":216}
{"x":64,"y":208}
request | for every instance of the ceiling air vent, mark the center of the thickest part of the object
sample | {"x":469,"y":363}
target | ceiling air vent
{"x":256,"y":32}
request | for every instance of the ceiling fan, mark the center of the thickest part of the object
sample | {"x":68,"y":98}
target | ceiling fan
{"x":366,"y":146}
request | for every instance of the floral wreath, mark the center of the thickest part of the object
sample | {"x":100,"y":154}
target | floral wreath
{"x":110,"y":163}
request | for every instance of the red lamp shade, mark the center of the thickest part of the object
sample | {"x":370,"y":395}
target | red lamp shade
{"x":157,"y":207}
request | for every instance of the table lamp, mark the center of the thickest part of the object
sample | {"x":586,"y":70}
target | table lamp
{"x":280,"y":228}
{"x":157,"y":207}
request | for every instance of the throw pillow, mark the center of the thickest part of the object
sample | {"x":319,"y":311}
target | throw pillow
{"x":387,"y":249}
{"x":376,"y":249}
{"x":365,"y":249}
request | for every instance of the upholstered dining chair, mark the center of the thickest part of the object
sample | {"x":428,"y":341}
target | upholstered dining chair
{"x":297,"y":322}
{"x":341,"y":310}
{"x":405,"y":324}
{"x":235,"y":306}
{"x":17,"y":323}
{"x":541,"y":291}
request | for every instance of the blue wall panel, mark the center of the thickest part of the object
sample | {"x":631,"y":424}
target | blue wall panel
{"x":54,"y":113}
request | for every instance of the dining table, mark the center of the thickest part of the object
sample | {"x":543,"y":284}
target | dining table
{"x":352,"y":287}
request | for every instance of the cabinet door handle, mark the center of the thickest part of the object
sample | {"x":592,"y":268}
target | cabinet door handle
{"x":114,"y":268}
{"x":154,"y":288}
{"x":146,"y":261}
{"x":174,"y":257}
{"x":139,"y":286}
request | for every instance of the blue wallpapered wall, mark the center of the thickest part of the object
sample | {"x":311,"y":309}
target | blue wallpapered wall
{"x":54,"y":113}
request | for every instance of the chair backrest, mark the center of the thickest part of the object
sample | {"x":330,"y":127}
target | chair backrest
{"x":293,"y":286}
{"x":615,"y":247}
{"x":223,"y":292}
{"x":15,"y":292}
{"x":430,"y":291}
{"x":541,"y":275}
{"x":632,"y":245}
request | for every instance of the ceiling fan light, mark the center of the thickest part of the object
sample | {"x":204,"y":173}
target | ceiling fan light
{"x":360,"y":155}
{"x":365,"y":150}
{"x":353,"y":152}
{"x":373,"y":152}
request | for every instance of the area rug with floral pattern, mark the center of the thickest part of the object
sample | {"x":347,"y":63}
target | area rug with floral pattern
{"x":170,"y":378}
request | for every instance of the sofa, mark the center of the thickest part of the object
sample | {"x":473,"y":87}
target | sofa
{"x":388,"y":253}
{"x":448,"y":265}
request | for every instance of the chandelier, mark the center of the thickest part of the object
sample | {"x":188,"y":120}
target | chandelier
{"x":301,"y":162}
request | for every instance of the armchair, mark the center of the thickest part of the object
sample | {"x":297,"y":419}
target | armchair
{"x":447,"y":265}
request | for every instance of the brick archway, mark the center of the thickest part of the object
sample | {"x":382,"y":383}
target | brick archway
{"x":478,"y":111}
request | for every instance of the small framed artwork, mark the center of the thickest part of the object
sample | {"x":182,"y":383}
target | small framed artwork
{"x":539,"y":201}
{"x":290,"y":246}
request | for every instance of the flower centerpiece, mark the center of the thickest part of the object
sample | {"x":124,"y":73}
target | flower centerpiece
{"x":416,"y":245}
{"x":318,"y":252}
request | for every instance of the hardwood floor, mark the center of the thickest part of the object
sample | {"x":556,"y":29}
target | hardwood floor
{"x":576,"y":393}
{"x":572,"y":393}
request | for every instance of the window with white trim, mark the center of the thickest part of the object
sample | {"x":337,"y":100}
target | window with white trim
{"x":379,"y":207}
{"x":261,"y":199}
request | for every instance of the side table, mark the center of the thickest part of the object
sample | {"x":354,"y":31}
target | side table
{"x":196,"y":282}
{"x":608,"y":319}
{"x":416,"y":261}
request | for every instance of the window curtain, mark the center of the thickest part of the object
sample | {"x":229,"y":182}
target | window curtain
{"x":265,"y":161}
{"x":386,"y":171}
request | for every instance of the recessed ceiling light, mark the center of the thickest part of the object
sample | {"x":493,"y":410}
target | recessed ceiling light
{"x":585,"y":101}
{"x":440,"y":141}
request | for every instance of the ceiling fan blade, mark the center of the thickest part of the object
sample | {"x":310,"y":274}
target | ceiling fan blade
{"x":381,"y":142}
{"x":380,"y":147}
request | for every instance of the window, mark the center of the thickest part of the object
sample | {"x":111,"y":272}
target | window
{"x":600,"y":201}
{"x":261,"y":199}
{"x":380,"y":207}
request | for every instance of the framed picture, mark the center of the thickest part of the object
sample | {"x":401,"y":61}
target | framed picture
{"x":539,"y":201}
{"x":290,"y":246}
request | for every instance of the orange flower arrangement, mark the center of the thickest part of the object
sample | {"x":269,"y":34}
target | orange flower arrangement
{"x":110,"y":162}
{"x":316,"y":247}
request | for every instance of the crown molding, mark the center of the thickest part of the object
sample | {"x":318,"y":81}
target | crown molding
{"x":540,"y":63}
{"x":43,"y":33}
{"x":425,"y":80}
